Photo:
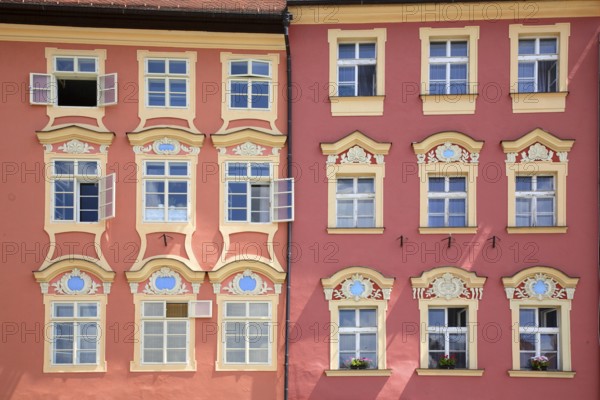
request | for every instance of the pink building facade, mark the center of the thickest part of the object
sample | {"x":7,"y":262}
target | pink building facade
{"x":146,"y":202}
{"x":447,"y":200}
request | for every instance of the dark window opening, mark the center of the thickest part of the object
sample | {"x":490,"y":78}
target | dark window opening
{"x":77,"y":93}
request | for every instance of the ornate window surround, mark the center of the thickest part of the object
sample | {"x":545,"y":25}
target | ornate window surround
{"x":186,"y":289}
{"x":376,"y":295}
{"x":96,"y":288}
{"x":449,"y":287}
{"x":364,"y":158}
{"x":449,"y":103}
{"x":560,"y":293}
{"x":432,"y":162}
{"x":247,"y":145}
{"x":539,"y":102}
{"x":357,"y":105}
{"x":546,"y":154}
{"x":268,"y":285}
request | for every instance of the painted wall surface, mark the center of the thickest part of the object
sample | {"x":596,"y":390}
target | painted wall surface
{"x":403,"y":123}
{"x":25,"y":245}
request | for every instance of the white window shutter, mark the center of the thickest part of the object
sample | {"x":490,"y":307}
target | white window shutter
{"x":107,"y":90}
{"x":282,"y":202}
{"x":200,"y":309}
{"x":107,"y":197}
{"x":40,"y":89}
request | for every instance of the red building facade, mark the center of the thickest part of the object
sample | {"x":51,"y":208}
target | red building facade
{"x":455,"y":148}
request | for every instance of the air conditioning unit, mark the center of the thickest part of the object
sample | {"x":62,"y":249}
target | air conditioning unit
{"x":200,"y":309}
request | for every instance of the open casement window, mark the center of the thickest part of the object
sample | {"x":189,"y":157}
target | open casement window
{"x":357,"y":298}
{"x":165,"y":332}
{"x":539,"y":62}
{"x":540,"y":303}
{"x":80,"y":194}
{"x":74,"y":82}
{"x":448,"y":302}
{"x":250,"y":84}
{"x":253,"y":196}
{"x":537,"y":168}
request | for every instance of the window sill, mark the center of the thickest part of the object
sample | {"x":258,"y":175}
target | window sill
{"x":536,"y":229}
{"x":448,"y":230}
{"x":541,"y":374}
{"x":358,"y":372}
{"x":355,"y":231}
{"x":133,"y":367}
{"x":448,"y":104}
{"x":68,"y":369}
{"x":357,"y":106}
{"x":246,"y":368}
{"x":538,"y":102}
{"x":449,"y":372}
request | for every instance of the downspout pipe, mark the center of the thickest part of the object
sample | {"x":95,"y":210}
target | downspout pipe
{"x":287,"y":17}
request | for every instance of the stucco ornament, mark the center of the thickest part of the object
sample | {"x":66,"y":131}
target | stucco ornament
{"x":511,"y":157}
{"x":332,"y":158}
{"x":247,"y":283}
{"x":76,"y":147}
{"x":142,"y":149}
{"x":75,"y":282}
{"x":448,"y":152}
{"x":48,"y":148}
{"x":165,"y":281}
{"x":166,"y":146}
{"x":357,"y":288}
{"x":448,"y":287}
{"x":248,"y":149}
{"x":537,"y":152}
{"x":540,"y":287}
{"x":356,"y":155}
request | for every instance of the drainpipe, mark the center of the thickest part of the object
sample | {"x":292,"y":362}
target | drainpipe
{"x":598,"y":166}
{"x":287,"y":17}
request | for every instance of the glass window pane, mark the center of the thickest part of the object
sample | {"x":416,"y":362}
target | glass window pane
{"x":259,"y":309}
{"x":437,"y":317}
{"x":545,"y":220}
{"x":87,"y":309}
{"x":64,"y":310}
{"x":64,"y":167}
{"x":545,"y":205}
{"x":526,"y":46}
{"x":345,"y":208}
{"x":368,"y":318}
{"x":457,"y":317}
{"x":527,"y":317}
{"x":545,"y":183}
{"x":524,"y":183}
{"x":239,"y":67}
{"x":366,"y":50}
{"x":523,"y":206}
{"x":87,"y":65}
{"x":458,"y":71}
{"x":347,"y":51}
{"x":178,"y":67}
{"x":436,"y":221}
{"x":366,"y":185}
{"x":259,"y":356}
{"x":457,"y":206}
{"x":549,"y":342}
{"x":345,"y":186}
{"x":87,"y":168}
{"x":457,"y":220}
{"x":66,"y":64}
{"x":347,"y":342}
{"x":156,"y":66}
{"x":437,"y":49}
{"x":436,"y":184}
{"x":436,"y":341}
{"x":260,"y":169}
{"x":235,"y":309}
{"x":526,"y":342}
{"x":523,"y":220}
{"x":155,"y":168}
{"x":153,"y":309}
{"x":526,"y":69}
{"x":458,"y":341}
{"x":346,"y":90}
{"x":458,"y":49}
{"x":437,"y":72}
{"x":176,"y":356}
{"x":366,"y":80}
{"x":548,"y":46}
{"x":260,"y":68}
{"x":348,"y":318}
{"x":457,"y":184}
{"x":237,"y":169}
{"x":436,"y":206}
{"x":368,"y":342}
{"x":548,"y":318}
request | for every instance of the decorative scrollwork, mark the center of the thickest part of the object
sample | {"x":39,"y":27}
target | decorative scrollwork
{"x":76,"y":147}
{"x":247,"y":283}
{"x":166,"y":146}
{"x":75,"y":282}
{"x":357,"y":288}
{"x":537,"y":152}
{"x":356,"y":155}
{"x":539,"y":287}
{"x":165,"y":281}
{"x":248,"y":149}
{"x":448,"y":286}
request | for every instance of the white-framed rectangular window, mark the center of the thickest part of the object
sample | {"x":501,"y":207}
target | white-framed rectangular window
{"x":538,"y":64}
{"x":167,"y":82}
{"x":447,"y":201}
{"x":165,"y":332}
{"x":358,"y":336}
{"x":74,"y":82}
{"x":247,"y":335}
{"x":357,"y":67}
{"x":355,"y":202}
{"x":166,"y":191}
{"x":75,"y":333}
{"x":535,"y":201}
{"x":447,"y":335}
{"x":448,"y":67}
{"x":75,"y":190}
{"x":250,"y":85}
{"x":539,"y":335}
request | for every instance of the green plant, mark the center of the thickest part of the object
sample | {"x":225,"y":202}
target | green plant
{"x":539,"y":363}
{"x":360,"y":363}
{"x":447,"y":361}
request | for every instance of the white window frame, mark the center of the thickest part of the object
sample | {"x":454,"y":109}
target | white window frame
{"x":538,"y":331}
{"x":249,"y":78}
{"x":535,"y":58}
{"x":51,"y":83}
{"x":166,"y":178}
{"x":247,"y":320}
{"x":165,"y":320}
{"x":75,"y":320}
{"x":448,"y":61}
{"x":167,"y":76}
{"x":446,"y":195}
{"x":356,"y":62}
{"x":357,"y":331}
{"x":447,"y":330}
{"x":534,"y":195}
{"x":77,"y":179}
{"x":355,"y":197}
{"x":250,"y":180}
